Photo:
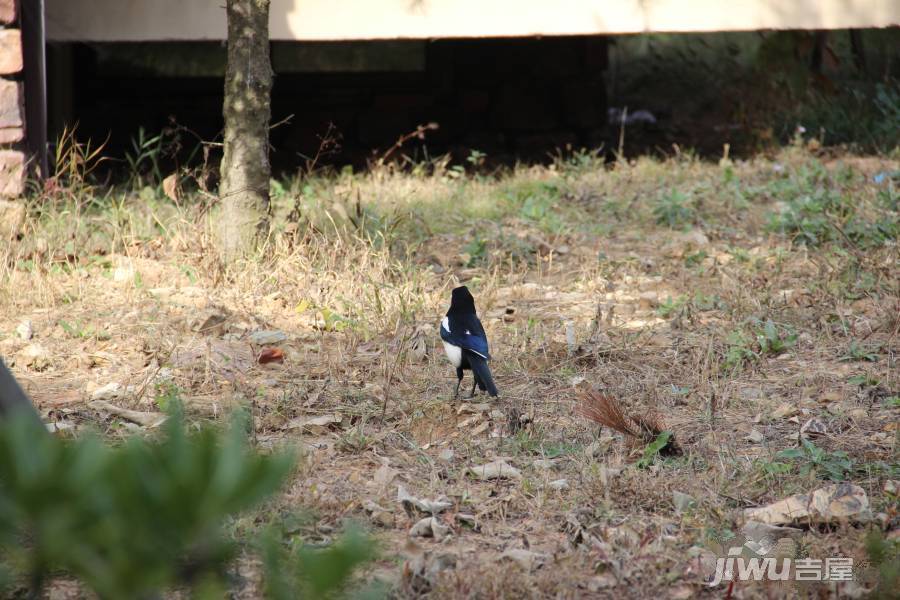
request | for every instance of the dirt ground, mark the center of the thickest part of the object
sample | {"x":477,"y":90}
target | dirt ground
{"x":718,"y":298}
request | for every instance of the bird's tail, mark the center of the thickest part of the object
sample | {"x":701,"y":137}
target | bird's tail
{"x":482,"y":373}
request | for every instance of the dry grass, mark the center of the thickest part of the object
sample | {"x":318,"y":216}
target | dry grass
{"x":128,"y":290}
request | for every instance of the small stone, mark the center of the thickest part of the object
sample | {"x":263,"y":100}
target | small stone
{"x":858,"y":414}
{"x":755,"y":436}
{"x":682,"y":501}
{"x":830,"y":396}
{"x":751,"y":393}
{"x":594,"y":449}
{"x":786,"y":409}
{"x":498,"y":469}
{"x":25,"y":330}
{"x":446,"y":455}
{"x":110,"y":391}
{"x":559,"y":484}
{"x":892,"y":487}
{"x":601,"y":582}
{"x":758,"y":531}
{"x":648,"y":299}
{"x":429,"y":527}
{"x":264,"y":337}
{"x":830,"y":503}
{"x":577,"y":381}
{"x":527,"y":559}
{"x":542,"y":463}
{"x":814,"y":427}
{"x":33,"y":356}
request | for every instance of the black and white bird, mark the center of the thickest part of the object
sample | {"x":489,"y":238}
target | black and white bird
{"x":465,"y":342}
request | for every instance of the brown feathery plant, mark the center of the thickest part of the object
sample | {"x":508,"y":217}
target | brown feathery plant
{"x":608,"y":411}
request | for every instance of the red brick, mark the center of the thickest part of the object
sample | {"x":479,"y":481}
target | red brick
{"x":8,"y":11}
{"x":12,"y":173}
{"x":11,"y":135}
{"x":10,"y":51}
{"x":12,"y":105}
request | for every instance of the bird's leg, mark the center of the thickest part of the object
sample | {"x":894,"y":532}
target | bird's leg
{"x":474,"y":383}
{"x":459,"y":376}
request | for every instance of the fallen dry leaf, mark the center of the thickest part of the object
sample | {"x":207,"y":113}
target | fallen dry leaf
{"x":497,"y":469}
{"x":315,"y":424}
{"x":384,"y":476}
{"x":413,"y":505}
{"x":270,"y":355}
{"x":785,"y":409}
{"x":429,"y":527}
{"x":527,"y":559}
{"x":171,"y":187}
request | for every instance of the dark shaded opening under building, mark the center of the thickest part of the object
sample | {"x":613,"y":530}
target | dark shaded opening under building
{"x":513,"y":99}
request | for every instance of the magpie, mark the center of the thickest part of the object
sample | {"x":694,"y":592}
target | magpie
{"x":465,"y":342}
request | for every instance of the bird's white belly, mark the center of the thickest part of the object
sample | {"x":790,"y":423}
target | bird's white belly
{"x":454,"y":353}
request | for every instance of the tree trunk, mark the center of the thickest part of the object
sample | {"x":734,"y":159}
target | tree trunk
{"x":244,"y":188}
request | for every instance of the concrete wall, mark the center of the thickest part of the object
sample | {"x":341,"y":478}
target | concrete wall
{"x":146,"y":20}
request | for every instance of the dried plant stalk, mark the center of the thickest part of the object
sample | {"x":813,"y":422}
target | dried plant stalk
{"x":608,"y":411}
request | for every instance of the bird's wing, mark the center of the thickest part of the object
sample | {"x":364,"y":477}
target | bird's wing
{"x":466,"y":332}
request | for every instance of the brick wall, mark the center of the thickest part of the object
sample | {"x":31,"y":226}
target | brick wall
{"x":12,"y":121}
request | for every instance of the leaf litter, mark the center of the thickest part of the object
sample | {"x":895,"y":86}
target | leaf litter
{"x":663,"y":322}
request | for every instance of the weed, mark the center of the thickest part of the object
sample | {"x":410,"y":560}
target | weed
{"x":475,"y":251}
{"x":669,"y":307}
{"x":354,"y":441}
{"x":537,"y":203}
{"x":863,"y":380}
{"x":858,"y":352}
{"x":883,"y":556}
{"x":652,"y":450}
{"x":573,"y":163}
{"x":740,"y":254}
{"x":168,"y":396}
{"x":674,"y":210}
{"x":132,"y":520}
{"x":705,"y":302}
{"x":739,"y":350}
{"x":532,"y":443}
{"x":774,"y":340}
{"x":826,"y":215}
{"x":307,"y":572}
{"x":143,"y":159}
{"x":476,"y":158}
{"x":79,"y":331}
{"x":695,"y":259}
{"x":809,"y":459}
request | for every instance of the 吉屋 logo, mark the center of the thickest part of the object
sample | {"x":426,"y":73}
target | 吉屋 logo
{"x":743,"y":558}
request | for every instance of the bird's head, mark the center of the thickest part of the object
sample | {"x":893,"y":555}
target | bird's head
{"x":461,"y":301}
